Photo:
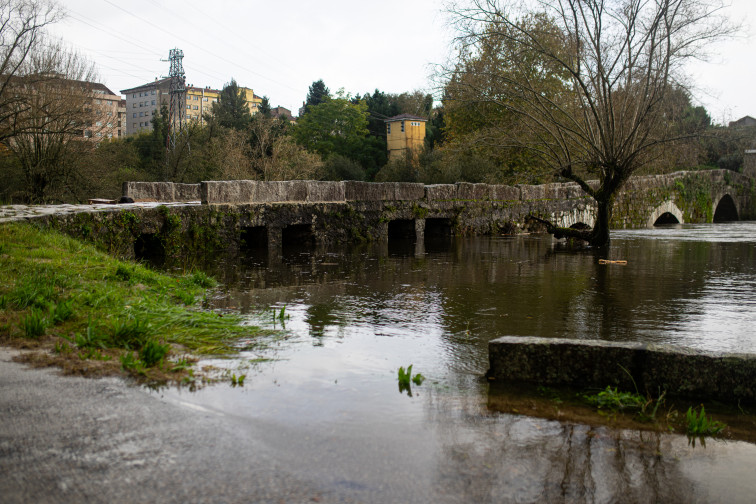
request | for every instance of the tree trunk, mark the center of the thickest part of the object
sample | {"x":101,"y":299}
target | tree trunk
{"x":599,"y":236}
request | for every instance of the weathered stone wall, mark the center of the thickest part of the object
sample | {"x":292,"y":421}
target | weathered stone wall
{"x":164,"y":192}
{"x":695,"y":193}
{"x":690,"y":196}
{"x":598,"y":364}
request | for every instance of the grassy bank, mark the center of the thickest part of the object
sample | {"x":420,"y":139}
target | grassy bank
{"x":92,"y":314}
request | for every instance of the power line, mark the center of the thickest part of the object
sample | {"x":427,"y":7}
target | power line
{"x":214,"y":54}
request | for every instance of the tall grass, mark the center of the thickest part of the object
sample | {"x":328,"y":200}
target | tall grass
{"x":51,"y":284}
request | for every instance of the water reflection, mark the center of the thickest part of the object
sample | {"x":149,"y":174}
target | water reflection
{"x":329,"y":408}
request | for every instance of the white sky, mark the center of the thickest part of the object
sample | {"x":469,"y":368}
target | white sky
{"x":279,"y":47}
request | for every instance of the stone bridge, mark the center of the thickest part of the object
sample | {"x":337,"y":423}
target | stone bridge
{"x":234,"y":215}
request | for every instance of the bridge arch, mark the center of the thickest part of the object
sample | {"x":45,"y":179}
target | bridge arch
{"x":577,"y":218}
{"x":667,"y":212}
{"x":726,"y":209}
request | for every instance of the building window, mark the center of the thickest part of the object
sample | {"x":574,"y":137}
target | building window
{"x":402,"y":126}
{"x":134,"y":95}
{"x":110,"y":125}
{"x":196,"y":107}
{"x":153,"y":92}
{"x":98,"y":123}
{"x":204,"y":99}
{"x":141,"y":114}
{"x":153,"y":102}
{"x":133,"y":105}
{"x":133,"y":125}
{"x":134,"y":115}
{"x":188,"y":107}
{"x":388,"y":128}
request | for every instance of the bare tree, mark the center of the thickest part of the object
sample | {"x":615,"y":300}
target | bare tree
{"x":22,"y":25}
{"x":56,"y":118}
{"x":586,"y":81}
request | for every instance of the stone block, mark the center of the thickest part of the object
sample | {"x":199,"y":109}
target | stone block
{"x":186,"y":192}
{"x":505,"y":193}
{"x":227,"y":191}
{"x":532,"y":192}
{"x":476,"y":192}
{"x":149,"y":191}
{"x":355,"y":190}
{"x":563,"y":191}
{"x":408,"y":191}
{"x":270,"y":192}
{"x":325,"y":191}
{"x":440,"y":192}
{"x":679,"y":371}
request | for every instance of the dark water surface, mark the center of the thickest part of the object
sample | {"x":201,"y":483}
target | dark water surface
{"x":330,"y":401}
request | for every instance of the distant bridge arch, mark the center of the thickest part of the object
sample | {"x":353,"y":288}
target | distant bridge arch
{"x":726,"y":209}
{"x":666,"y":213}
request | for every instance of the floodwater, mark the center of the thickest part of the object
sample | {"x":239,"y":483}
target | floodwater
{"x":327,"y":395}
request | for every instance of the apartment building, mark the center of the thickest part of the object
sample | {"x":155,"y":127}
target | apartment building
{"x":143,"y":102}
{"x":199,"y":101}
{"x":107,"y":112}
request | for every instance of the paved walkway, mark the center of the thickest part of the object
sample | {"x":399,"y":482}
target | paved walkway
{"x":24,"y":212}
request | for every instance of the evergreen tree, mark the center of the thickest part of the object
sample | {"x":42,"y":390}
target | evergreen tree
{"x":231,"y":110}
{"x":265,"y":107}
{"x":317,"y":94}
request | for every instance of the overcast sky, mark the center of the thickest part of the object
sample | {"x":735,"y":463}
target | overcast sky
{"x":279,"y":47}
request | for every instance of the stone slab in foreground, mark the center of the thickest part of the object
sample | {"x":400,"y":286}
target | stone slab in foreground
{"x":681,"y":372}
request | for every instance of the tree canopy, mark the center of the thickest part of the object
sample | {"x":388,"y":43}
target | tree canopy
{"x":583,"y":85}
{"x":335,"y":126}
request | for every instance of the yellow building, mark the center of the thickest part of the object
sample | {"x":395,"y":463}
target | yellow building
{"x":253,"y":101}
{"x":199,"y":102}
{"x":404,"y":133}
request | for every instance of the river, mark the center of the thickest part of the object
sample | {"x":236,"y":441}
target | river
{"x":328,"y":391}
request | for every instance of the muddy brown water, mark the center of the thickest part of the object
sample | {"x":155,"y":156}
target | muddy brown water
{"x":354,"y":315}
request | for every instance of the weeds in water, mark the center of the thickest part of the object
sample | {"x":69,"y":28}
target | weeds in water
{"x":700,"y":425}
{"x":34,"y":324}
{"x":153,"y":352}
{"x":405,"y":378}
{"x":237,"y":381}
{"x":614,"y":400}
{"x":181,"y":364}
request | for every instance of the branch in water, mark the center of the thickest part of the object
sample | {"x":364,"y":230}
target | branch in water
{"x":562,"y":232}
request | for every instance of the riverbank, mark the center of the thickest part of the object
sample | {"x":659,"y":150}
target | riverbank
{"x":91,"y":314}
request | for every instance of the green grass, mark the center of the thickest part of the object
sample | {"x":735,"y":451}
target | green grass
{"x":53,"y":286}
